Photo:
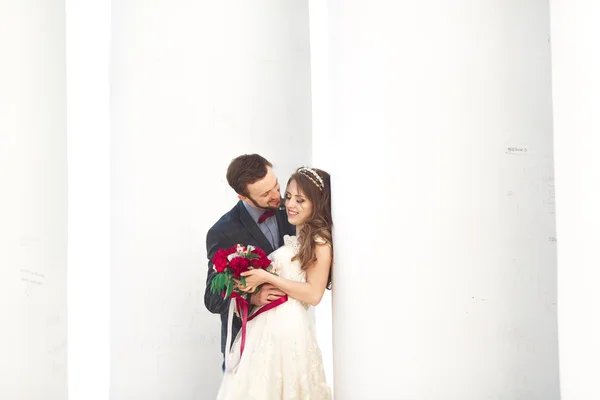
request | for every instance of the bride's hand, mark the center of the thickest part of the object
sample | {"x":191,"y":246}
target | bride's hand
{"x":254,"y":278}
{"x":240,"y":286}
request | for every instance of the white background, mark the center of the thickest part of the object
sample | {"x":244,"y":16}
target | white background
{"x":445,"y":281}
{"x":575,"y":85}
{"x":33,"y":201}
{"x":576,"y":90}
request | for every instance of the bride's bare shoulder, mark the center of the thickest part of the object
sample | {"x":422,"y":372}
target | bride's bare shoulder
{"x":322,"y":241}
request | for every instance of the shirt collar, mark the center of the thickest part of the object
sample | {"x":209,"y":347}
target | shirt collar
{"x":254,"y":212}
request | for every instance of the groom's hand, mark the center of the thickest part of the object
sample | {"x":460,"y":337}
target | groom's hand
{"x":265,"y":295}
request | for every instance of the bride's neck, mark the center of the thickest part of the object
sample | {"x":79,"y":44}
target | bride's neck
{"x":298,"y":229}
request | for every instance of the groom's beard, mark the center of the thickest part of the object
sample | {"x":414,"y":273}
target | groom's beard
{"x":264,"y":208}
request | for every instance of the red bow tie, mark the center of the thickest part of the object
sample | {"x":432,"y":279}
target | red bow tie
{"x":265,"y":215}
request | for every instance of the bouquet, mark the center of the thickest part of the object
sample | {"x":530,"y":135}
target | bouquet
{"x":228,"y":265}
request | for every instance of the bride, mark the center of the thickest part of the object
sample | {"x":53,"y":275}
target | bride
{"x":281,"y":359}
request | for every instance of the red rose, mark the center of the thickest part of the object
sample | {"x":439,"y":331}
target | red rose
{"x":262,"y":261}
{"x":231,"y":250}
{"x":259,"y":252}
{"x":220,"y":260}
{"x":239,"y":265}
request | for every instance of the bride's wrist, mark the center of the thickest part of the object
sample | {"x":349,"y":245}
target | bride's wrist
{"x":269,"y":278}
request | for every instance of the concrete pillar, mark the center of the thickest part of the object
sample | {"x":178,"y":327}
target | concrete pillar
{"x":441,"y":130}
{"x":88,"y":137}
{"x":576,"y":94}
{"x":321,"y":152}
{"x":194,"y":85}
{"x":33,"y":201}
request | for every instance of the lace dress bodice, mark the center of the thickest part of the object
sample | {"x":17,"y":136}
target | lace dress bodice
{"x":282,"y":260}
{"x":283,"y":264}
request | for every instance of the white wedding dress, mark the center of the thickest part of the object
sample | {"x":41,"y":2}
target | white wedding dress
{"x":281,"y":359}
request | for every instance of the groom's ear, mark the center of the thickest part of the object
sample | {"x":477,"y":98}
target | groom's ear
{"x":242,"y":197}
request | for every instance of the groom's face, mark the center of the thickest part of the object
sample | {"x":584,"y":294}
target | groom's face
{"x":264,"y":193}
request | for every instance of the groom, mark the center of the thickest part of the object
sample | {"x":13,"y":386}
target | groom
{"x":258,"y":219}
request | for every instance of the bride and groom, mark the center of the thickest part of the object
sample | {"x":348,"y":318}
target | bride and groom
{"x":281,"y":358}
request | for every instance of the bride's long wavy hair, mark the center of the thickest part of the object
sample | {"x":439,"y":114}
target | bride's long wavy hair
{"x":319,"y":223}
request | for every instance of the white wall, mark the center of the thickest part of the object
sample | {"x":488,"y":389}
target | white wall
{"x":321,"y":153}
{"x":194,"y":84}
{"x":445,"y":281}
{"x":88,"y":139}
{"x":576,"y":92}
{"x":33,"y":201}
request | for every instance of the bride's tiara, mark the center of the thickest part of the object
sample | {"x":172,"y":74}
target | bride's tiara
{"x":313,"y":176}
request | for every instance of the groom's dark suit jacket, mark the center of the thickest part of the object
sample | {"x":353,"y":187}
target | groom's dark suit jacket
{"x":237,"y":227}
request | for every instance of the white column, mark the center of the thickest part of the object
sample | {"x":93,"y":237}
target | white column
{"x":441,"y":125}
{"x":88,"y":127}
{"x":576,"y":93}
{"x":33,"y":201}
{"x":321,"y":151}
{"x":194,"y":85}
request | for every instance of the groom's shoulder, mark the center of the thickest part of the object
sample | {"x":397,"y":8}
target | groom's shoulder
{"x":228,"y":220}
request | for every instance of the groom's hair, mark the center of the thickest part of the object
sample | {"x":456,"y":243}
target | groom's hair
{"x":245,"y":170}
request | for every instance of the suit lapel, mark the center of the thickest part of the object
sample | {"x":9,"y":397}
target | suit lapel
{"x":254,"y":230}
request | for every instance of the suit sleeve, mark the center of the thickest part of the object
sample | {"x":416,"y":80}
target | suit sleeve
{"x":213,"y":301}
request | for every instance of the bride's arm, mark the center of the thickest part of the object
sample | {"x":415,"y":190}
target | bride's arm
{"x":311,"y":291}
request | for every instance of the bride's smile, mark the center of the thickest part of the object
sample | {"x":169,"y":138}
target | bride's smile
{"x":298,"y":207}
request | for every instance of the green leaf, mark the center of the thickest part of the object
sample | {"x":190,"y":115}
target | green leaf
{"x":218,"y":283}
{"x":229,"y":289}
{"x":243,"y":279}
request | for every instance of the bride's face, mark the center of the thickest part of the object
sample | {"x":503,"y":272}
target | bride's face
{"x":298,"y":206}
